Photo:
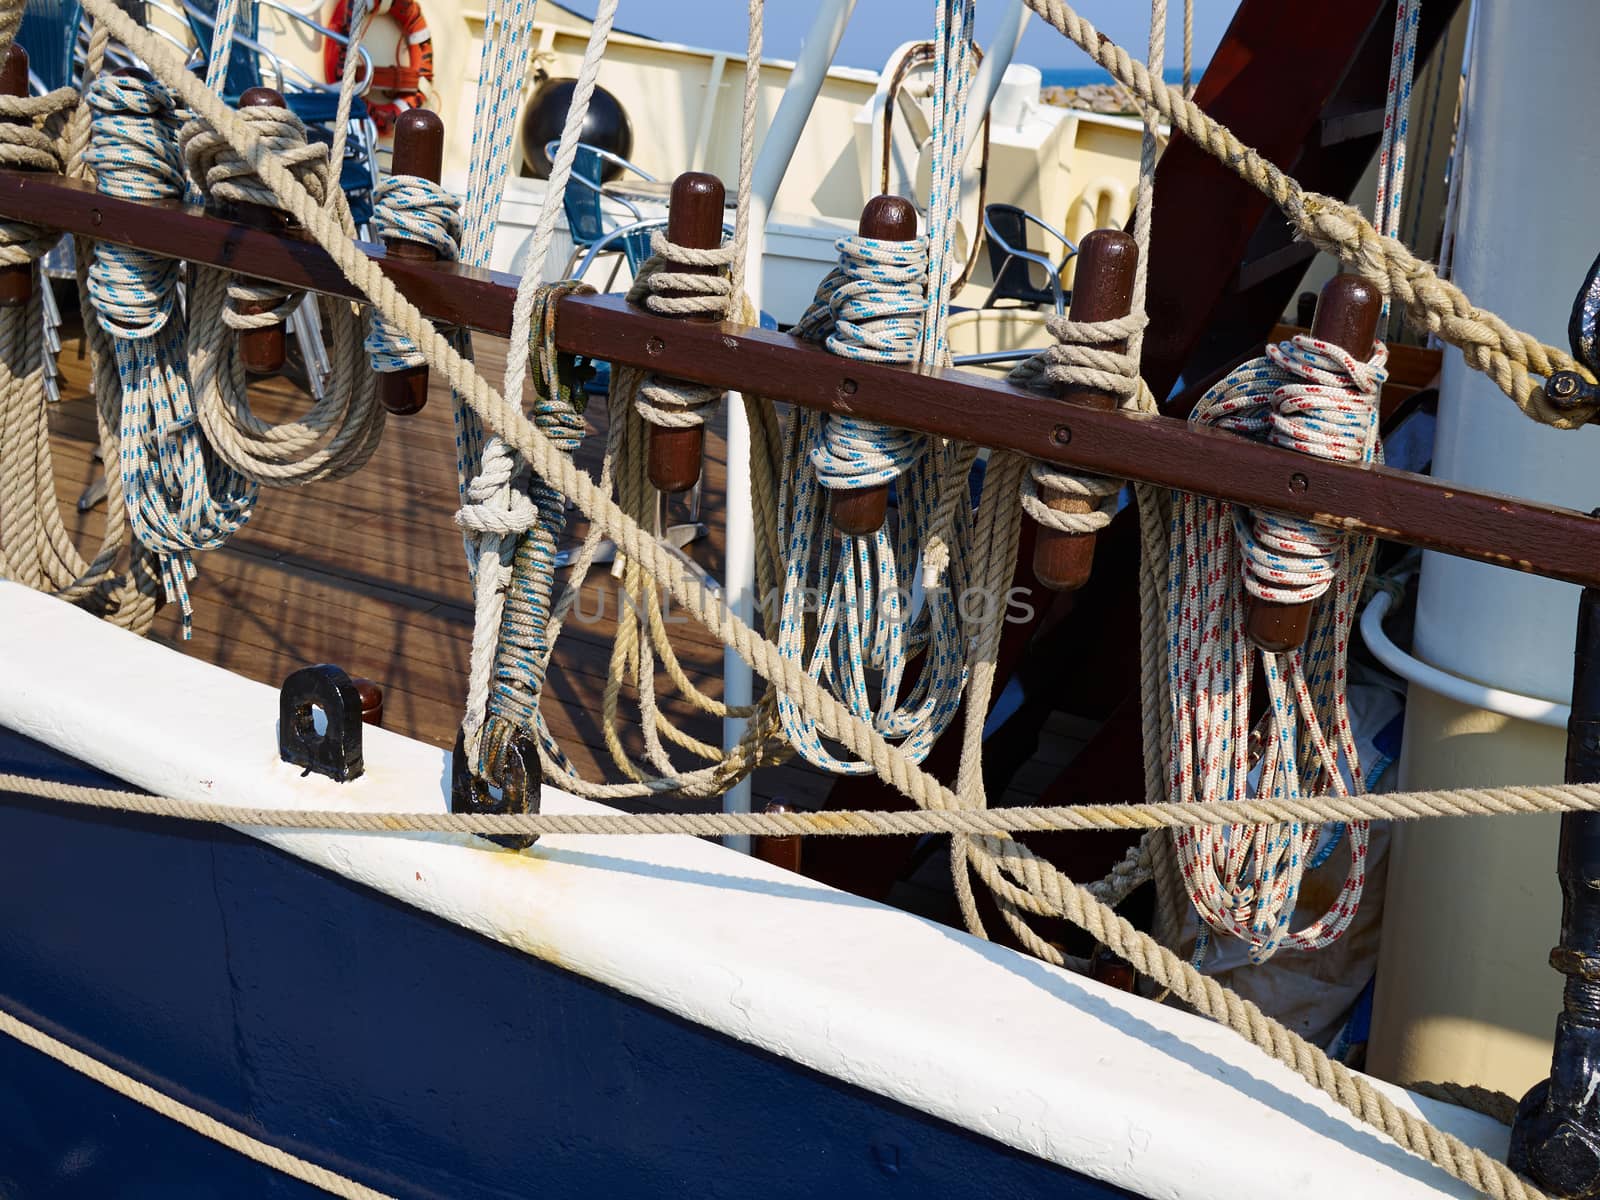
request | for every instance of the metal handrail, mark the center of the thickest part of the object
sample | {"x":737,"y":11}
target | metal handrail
{"x":1051,"y":268}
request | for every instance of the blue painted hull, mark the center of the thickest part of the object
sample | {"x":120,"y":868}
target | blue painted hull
{"x":397,"y":1048}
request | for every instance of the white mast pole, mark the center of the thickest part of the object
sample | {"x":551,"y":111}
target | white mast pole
{"x":777,"y":149}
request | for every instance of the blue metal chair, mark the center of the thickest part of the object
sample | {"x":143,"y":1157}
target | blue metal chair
{"x":1006,"y":227}
{"x":49,"y":34}
{"x":586,"y":218}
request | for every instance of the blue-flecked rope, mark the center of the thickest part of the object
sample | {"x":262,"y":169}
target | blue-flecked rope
{"x":180,"y":498}
{"x":523,"y":646}
{"x":861,"y":588}
{"x":869,"y":308}
{"x":953,"y":22}
{"x":418,"y":210}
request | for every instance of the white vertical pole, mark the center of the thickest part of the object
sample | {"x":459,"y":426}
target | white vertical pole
{"x":777,"y":148}
{"x":997,"y":57}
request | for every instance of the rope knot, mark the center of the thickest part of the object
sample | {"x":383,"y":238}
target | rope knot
{"x":416,"y":210}
{"x":680,"y":404}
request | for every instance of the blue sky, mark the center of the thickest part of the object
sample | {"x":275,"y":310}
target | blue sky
{"x":880,"y":25}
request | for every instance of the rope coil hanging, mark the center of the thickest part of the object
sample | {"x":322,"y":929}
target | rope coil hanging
{"x":1244,"y":881}
{"x":341,"y":431}
{"x":180,"y":499}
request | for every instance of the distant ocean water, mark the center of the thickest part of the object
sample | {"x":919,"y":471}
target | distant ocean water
{"x":1082,"y":76}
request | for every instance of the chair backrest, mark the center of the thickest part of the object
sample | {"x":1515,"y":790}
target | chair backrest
{"x":49,"y":34}
{"x":244,"y":68}
{"x":1012,"y":280}
{"x":582,"y":203}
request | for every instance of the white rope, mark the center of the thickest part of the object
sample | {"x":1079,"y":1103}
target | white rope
{"x":1245,"y":881}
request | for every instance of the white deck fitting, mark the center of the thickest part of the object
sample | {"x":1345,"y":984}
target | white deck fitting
{"x":1148,"y":1098}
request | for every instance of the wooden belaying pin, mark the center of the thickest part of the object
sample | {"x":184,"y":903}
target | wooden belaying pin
{"x":371,"y":701}
{"x":1347,"y":316}
{"x":778,"y":850}
{"x":263,"y":350}
{"x":16,"y":279}
{"x":1108,"y":260}
{"x":419,"y":151}
{"x":861,"y":510}
{"x":694,"y":220}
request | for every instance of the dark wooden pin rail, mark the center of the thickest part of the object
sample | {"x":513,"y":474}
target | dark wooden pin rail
{"x":1437,"y":515}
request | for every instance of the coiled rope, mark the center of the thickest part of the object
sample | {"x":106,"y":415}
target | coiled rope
{"x":341,"y":431}
{"x":180,"y":499}
{"x":35,"y":548}
{"x":871,"y":307}
{"x":417,"y":210}
{"x":1245,"y":880}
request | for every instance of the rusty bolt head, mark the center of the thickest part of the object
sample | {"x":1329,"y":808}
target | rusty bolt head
{"x":1062,"y":435}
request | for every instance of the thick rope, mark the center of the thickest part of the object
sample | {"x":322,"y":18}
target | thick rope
{"x":416,"y":210}
{"x":1512,"y":359}
{"x":35,"y":548}
{"x":1520,"y":800}
{"x":186,"y":1115}
{"x":342,"y":430}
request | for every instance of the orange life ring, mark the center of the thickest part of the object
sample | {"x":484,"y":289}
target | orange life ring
{"x":403,"y":83}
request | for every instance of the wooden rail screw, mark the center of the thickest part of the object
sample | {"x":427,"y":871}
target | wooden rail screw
{"x":1108,"y":259}
{"x":861,"y":510}
{"x":419,"y":151}
{"x":694,"y":220}
{"x":1347,"y":316}
{"x":16,"y":279}
{"x":263,"y":350}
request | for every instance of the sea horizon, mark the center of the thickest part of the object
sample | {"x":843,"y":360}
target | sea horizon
{"x":1084,"y":76}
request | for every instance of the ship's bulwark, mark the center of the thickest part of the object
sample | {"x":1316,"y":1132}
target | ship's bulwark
{"x":380,"y":1041}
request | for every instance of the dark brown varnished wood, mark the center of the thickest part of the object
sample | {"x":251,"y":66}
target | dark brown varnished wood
{"x":16,"y":279}
{"x":263,"y":351}
{"x":694,"y":219}
{"x":861,"y":511}
{"x":1525,"y":536}
{"x":371,"y":701}
{"x":1347,"y":316}
{"x":779,"y":851}
{"x":418,"y":151}
{"x":1108,"y":260}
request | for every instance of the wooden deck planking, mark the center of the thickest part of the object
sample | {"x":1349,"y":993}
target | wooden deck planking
{"x":368,"y":572}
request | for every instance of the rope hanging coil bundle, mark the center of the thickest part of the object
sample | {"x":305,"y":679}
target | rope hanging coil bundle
{"x":35,"y":548}
{"x":870,"y":307}
{"x":414,"y":209}
{"x":180,"y":499}
{"x":639,"y":402}
{"x":341,"y":431}
{"x":1244,"y":880}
